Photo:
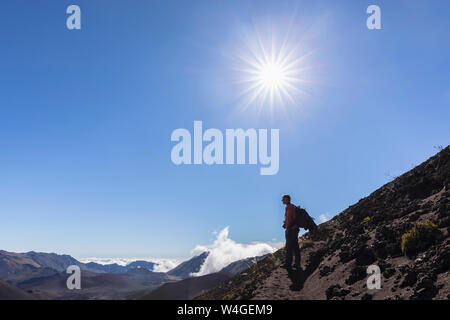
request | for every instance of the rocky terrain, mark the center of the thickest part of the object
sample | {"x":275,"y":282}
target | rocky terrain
{"x":403,"y":228}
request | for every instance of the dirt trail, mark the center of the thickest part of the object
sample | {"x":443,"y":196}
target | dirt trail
{"x":283,"y":285}
{"x":288,"y":284}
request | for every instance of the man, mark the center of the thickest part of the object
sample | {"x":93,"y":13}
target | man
{"x":291,"y":234}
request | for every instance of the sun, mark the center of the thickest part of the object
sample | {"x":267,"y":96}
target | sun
{"x":272,"y":76}
{"x":272,"y":73}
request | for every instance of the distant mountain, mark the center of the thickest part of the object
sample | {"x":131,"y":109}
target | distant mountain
{"x":13,"y":263}
{"x":184,"y":269}
{"x":241,"y":265}
{"x":116,"y":268}
{"x":108,"y":268}
{"x":21,"y":265}
{"x":9,"y":292}
{"x":54,"y":261}
{"x":14,"y":266}
{"x":188,"y":288}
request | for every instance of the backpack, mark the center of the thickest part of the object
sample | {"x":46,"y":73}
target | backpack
{"x":304,"y":220}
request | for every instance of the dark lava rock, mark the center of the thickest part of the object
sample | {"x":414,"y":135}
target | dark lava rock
{"x":365,"y":257}
{"x":425,"y":288}
{"x":410,"y":279}
{"x":385,"y":233}
{"x":379,"y":248}
{"x":414,"y":217}
{"x":356,"y":274}
{"x":444,"y":222}
{"x":443,"y":211}
{"x":441,"y":263}
{"x":389,"y":272}
{"x":425,"y":281}
{"x":366,"y":296}
{"x":345,"y":255}
{"x":336,"y":291}
{"x":394,"y":249}
{"x":356,"y":229}
{"x":326,"y":270}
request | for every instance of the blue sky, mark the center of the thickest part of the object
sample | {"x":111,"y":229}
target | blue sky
{"x":86,"y":118}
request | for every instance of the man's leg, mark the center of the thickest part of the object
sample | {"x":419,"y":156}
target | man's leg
{"x":288,"y":251}
{"x":296,"y":250}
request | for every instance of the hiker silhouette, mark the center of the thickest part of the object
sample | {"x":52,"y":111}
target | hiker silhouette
{"x":291,"y":233}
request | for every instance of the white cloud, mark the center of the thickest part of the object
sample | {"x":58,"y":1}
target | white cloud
{"x":162,"y":265}
{"x":323,"y":218}
{"x":224,"y":251}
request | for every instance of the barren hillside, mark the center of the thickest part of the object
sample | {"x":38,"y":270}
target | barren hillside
{"x":412,"y":211}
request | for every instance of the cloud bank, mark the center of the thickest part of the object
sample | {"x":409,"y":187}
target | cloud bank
{"x":162,"y":265}
{"x":224,"y":251}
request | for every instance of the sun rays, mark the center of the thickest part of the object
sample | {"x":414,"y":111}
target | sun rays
{"x":271,"y":73}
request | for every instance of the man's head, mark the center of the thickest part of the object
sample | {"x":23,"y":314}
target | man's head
{"x":286,"y":199}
